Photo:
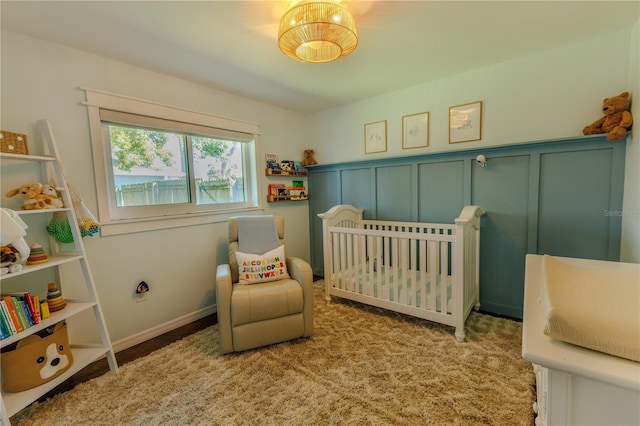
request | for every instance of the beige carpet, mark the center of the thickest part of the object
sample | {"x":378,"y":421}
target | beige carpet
{"x":363,"y":366}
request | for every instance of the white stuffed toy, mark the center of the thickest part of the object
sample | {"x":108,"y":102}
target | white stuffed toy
{"x":53,"y":196}
{"x":12,"y":232}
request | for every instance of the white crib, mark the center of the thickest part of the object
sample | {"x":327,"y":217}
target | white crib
{"x":427,"y":270}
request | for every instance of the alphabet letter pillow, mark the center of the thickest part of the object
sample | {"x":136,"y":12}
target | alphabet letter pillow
{"x":260,"y":268}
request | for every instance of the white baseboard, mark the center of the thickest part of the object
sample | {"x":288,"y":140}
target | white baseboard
{"x":145,"y":335}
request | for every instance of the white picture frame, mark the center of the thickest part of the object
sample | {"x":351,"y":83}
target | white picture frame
{"x":415,"y":130}
{"x":375,"y":137}
{"x":465,"y":122}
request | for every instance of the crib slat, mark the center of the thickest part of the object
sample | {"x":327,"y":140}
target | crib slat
{"x":370,"y":265}
{"x":444,"y":266}
{"x":403,"y":268}
{"x":351,"y":262}
{"x":361,"y":261}
{"x":343,"y":261}
{"x":386,"y":243}
{"x":433,"y":273}
{"x":378,"y":264}
{"x":351,"y":255}
{"x":413,"y":244}
{"x":337,"y":273}
{"x":423,"y":273}
{"x":398,"y":291}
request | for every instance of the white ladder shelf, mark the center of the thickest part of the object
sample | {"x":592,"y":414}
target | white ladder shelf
{"x":83,"y":354}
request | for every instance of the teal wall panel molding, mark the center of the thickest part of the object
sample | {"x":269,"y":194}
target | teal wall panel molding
{"x":553,"y":197}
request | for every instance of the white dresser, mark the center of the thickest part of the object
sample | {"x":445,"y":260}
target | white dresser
{"x":575,"y":385}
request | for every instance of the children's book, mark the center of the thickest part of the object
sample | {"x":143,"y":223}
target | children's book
{"x":7,"y":316}
{"x":25,"y":296}
{"x":13,"y":313}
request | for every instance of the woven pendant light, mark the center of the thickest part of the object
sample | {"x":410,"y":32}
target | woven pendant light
{"x":317,"y":31}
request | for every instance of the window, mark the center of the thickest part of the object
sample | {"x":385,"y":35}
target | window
{"x":151,"y":167}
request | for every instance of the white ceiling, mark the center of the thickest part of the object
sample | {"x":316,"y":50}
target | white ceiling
{"x":232,"y":45}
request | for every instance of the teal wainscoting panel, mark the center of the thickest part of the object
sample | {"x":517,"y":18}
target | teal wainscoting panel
{"x":394,"y":193}
{"x":355,"y":187}
{"x":440,"y":191}
{"x":501,"y":189}
{"x":558,"y":197}
{"x":324,"y":193}
{"x":575,"y":196}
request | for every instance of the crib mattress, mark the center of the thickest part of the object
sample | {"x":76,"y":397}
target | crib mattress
{"x":357,"y":279}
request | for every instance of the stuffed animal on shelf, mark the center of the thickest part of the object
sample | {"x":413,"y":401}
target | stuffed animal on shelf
{"x":12,"y":233}
{"x":308,"y":158}
{"x":286,"y":166}
{"x":9,"y":260}
{"x":33,"y":198}
{"x":53,"y":196}
{"x":31,"y":194}
{"x":617,"y":118}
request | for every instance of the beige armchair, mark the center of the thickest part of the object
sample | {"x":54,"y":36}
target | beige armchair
{"x":260,"y":314}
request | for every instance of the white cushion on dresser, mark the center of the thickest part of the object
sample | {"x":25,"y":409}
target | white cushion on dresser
{"x":596,"y":308}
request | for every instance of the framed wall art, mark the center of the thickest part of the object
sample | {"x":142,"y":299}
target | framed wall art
{"x":415,"y":130}
{"x":375,"y":137}
{"x":465,"y":122}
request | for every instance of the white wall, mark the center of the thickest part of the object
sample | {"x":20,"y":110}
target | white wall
{"x":630,"y":245}
{"x":544,"y":96}
{"x":40,"y":80}
{"x":549,"y":95}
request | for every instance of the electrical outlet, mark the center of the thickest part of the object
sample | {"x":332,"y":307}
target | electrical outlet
{"x":141,"y":291}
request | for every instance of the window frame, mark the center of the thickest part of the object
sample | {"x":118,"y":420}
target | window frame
{"x":112,"y":223}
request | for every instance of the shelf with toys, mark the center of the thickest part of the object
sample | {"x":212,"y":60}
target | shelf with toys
{"x":296,"y":191}
{"x":281,"y":192}
{"x":44,"y":309}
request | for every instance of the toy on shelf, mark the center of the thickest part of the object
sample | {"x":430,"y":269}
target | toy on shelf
{"x":617,"y":118}
{"x":55,"y":301}
{"x":9,"y":260}
{"x":37,"y":255}
{"x":52,"y":194}
{"x":286,"y":166}
{"x":281,"y":192}
{"x":15,"y":249}
{"x":309,"y":160}
{"x":34,"y":199}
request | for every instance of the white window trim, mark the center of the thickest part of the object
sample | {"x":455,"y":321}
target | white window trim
{"x":97,"y":99}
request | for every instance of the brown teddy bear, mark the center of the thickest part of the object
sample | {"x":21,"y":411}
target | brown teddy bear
{"x":308,"y":158}
{"x":617,"y":118}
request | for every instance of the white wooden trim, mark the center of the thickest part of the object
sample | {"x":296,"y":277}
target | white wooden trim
{"x":107,"y":100}
{"x":158,"y":330}
{"x":112,"y":225}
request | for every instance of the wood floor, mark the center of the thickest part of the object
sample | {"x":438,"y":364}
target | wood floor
{"x":101,"y":366}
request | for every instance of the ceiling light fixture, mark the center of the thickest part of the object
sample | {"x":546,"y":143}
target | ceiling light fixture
{"x":317,"y":31}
